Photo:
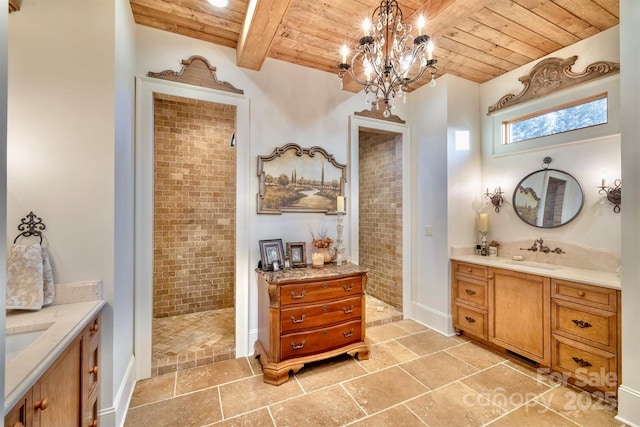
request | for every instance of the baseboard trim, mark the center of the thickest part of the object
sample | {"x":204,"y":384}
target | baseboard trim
{"x":434,"y":319}
{"x":116,"y":415}
{"x":628,"y":406}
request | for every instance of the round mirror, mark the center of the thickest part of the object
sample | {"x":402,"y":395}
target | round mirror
{"x":548,"y":198}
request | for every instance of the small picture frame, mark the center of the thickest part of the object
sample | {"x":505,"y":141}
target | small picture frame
{"x":297,"y":253}
{"x":270,"y":251}
{"x":287,"y":263}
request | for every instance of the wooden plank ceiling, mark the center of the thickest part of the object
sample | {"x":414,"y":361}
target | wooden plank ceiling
{"x":475,"y":39}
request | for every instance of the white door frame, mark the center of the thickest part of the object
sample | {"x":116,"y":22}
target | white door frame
{"x":145,"y":88}
{"x":355,"y":124}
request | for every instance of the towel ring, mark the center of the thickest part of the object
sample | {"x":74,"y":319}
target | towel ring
{"x":30,"y":225}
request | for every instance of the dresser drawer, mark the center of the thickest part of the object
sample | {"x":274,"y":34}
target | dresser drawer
{"x":313,"y":292}
{"x":470,"y":270}
{"x":470,"y":291}
{"x":593,"y":296}
{"x":589,"y":365}
{"x":305,"y":343}
{"x":585,"y":324}
{"x":471,"y":321}
{"x":314,"y":316}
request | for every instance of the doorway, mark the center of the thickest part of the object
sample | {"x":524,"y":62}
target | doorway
{"x":380,"y":203}
{"x":208,"y":292}
{"x":193,"y":233}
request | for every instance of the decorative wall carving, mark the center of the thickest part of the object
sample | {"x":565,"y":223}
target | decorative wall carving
{"x":378,"y":114}
{"x":551,"y":75}
{"x":196,"y":71}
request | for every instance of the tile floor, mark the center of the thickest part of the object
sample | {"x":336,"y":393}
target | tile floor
{"x":414,"y":377}
{"x":197,"y":339}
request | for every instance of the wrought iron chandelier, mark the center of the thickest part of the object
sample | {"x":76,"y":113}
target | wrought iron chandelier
{"x":385,"y":57}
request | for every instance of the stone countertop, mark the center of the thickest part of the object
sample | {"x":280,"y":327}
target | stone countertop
{"x":63,"y":323}
{"x":310,"y":273}
{"x":592,"y":277}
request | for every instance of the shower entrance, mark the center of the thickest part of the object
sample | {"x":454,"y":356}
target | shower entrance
{"x":191,"y":274}
{"x":194,"y":232}
{"x":381,"y":206}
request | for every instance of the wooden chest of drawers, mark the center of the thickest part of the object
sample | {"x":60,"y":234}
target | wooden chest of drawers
{"x":307,"y":315}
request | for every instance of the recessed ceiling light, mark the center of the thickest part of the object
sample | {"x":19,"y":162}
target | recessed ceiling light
{"x":219,"y":3}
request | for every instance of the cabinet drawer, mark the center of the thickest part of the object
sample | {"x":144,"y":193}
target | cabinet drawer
{"x":594,"y":296}
{"x":470,"y":270}
{"x":587,"y":364}
{"x":584,"y":324}
{"x":318,"y":315}
{"x":470,"y":291}
{"x":471,"y":321}
{"x":92,"y":367}
{"x":305,"y":343}
{"x":312,"y":292}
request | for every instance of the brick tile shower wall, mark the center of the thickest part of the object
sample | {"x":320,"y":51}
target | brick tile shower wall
{"x":194,"y":206}
{"x":381,"y":214}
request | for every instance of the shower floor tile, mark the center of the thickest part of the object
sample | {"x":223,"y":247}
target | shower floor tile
{"x":196,"y":339}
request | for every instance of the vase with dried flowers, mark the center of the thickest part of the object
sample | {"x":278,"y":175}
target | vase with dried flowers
{"x":322,"y":243}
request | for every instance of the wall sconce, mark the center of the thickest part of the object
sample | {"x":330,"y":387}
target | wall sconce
{"x":614,"y":194}
{"x":495,"y":197}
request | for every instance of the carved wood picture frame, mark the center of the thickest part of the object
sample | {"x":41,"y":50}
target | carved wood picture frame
{"x":296,"y":179}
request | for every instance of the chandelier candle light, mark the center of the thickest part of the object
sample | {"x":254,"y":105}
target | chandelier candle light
{"x":385,"y":56}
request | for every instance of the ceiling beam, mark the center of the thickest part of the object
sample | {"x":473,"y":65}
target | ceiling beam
{"x":260,"y":26}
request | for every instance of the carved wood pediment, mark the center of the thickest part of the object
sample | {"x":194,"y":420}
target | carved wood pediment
{"x":374,"y":113}
{"x":198,"y":72}
{"x":551,"y":75}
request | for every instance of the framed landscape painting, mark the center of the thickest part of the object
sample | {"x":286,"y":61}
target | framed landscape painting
{"x":296,"y":179}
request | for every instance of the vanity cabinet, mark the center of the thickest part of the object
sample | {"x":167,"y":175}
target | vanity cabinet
{"x":67,"y":393}
{"x":586,"y":334}
{"x":519,"y":308}
{"x":572,"y":328}
{"x":309,"y":315}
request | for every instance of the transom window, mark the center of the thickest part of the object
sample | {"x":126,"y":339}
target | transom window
{"x":579,"y":114}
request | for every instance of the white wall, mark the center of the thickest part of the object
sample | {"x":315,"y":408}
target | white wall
{"x":289,"y":104}
{"x":61,"y":155}
{"x":3,"y":187}
{"x":597,"y":226}
{"x":629,"y":391}
{"x":123,"y":285}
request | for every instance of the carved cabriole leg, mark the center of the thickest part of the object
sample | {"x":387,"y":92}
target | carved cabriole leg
{"x":458,"y":331}
{"x":362,"y":353}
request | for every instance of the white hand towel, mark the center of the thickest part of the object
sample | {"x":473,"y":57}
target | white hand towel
{"x":47,"y":278}
{"x":25,"y":284}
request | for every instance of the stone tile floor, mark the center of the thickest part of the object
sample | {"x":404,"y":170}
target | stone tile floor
{"x":414,"y":377}
{"x":197,"y":339}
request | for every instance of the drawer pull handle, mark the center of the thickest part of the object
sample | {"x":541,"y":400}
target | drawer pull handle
{"x":580,"y":293}
{"x":347,"y":289}
{"x":302,"y":294}
{"x":325,"y":285}
{"x":325,"y":333}
{"x":294,"y":320}
{"x":348,"y":334}
{"x":18,"y":424}
{"x":41,"y":404}
{"x":489,"y":276}
{"x":470,"y":291}
{"x":581,"y":323}
{"x":583,"y":363}
{"x":94,"y":423}
{"x":469,"y":270}
{"x":297,"y":347}
{"x":93,"y":328}
{"x":470,"y":319}
{"x":325,"y":308}
{"x":347,"y":310}
{"x":94,"y":370}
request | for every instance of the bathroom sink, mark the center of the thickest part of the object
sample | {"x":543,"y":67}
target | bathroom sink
{"x":539,"y":265}
{"x":18,"y":341}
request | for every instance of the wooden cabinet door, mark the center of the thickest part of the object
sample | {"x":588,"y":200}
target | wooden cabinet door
{"x":56,"y":395}
{"x":519,"y":313}
{"x":20,"y":415}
